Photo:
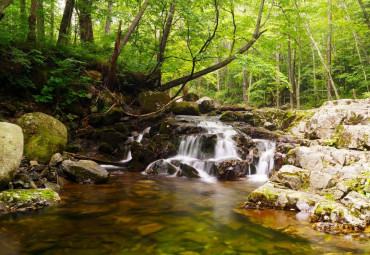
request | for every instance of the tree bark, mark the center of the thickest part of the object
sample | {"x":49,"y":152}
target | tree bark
{"x":244,"y":85}
{"x":166,"y":33}
{"x":40,"y":20}
{"x":3,"y":5}
{"x":86,"y":27}
{"x":112,"y":75}
{"x":52,"y":19}
{"x":133,"y":25}
{"x":218,"y":76}
{"x":199,"y":86}
{"x":314,"y":73}
{"x":298,"y":83}
{"x":278,"y":80}
{"x":223,"y":63}
{"x":328,"y":51}
{"x":31,"y":37}
{"x":367,"y":21}
{"x":22,"y":8}
{"x":291,"y":69}
{"x":66,"y":22}
{"x":108,"y":21}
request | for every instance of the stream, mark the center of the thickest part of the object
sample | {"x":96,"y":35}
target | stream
{"x":137,"y":213}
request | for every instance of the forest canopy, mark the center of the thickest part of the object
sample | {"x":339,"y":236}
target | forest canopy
{"x":258,"y":52}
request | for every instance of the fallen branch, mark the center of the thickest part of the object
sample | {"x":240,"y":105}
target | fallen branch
{"x":235,"y":108}
{"x":98,"y":160}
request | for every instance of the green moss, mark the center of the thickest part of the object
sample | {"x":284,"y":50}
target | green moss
{"x":12,"y":196}
{"x":329,"y":196}
{"x":263,"y":194}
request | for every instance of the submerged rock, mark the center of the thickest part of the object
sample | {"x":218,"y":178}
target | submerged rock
{"x":43,"y":136}
{"x":84,"y":171}
{"x":19,"y":200}
{"x":11,"y":151}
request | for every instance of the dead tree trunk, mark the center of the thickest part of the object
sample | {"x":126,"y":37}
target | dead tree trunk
{"x":66,"y":22}
{"x":112,"y":76}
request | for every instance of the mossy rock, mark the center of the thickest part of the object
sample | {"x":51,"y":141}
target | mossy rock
{"x":186,"y":108}
{"x":113,"y":116}
{"x":207,"y":106}
{"x":105,"y":148}
{"x":95,"y":120}
{"x":232,"y":116}
{"x":43,"y":136}
{"x":112,"y":138}
{"x":152,"y":101}
{"x":121,"y":127}
{"x":191,"y":97}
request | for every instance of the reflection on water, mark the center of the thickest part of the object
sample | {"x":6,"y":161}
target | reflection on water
{"x":137,"y":214}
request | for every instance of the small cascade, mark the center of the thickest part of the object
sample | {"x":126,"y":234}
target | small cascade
{"x":265,"y":162}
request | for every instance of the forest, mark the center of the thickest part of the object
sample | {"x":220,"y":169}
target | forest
{"x":264,"y":53}
{"x":187,"y":127}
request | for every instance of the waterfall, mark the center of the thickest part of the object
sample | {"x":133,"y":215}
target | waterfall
{"x":265,"y":163}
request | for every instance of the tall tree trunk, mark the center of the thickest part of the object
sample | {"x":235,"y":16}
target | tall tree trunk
{"x":40,"y":20}
{"x":199,"y":86}
{"x":133,"y":25}
{"x":223,"y":63}
{"x":108,"y":21}
{"x":365,"y":13}
{"x":86,"y":27}
{"x":166,"y":33}
{"x":52,"y":19}
{"x":328,"y":51}
{"x":319,"y":53}
{"x":66,"y":22}
{"x":244,"y":85}
{"x":112,"y":75}
{"x":278,"y":80}
{"x":32,"y":22}
{"x":218,"y":76}
{"x":314,"y":74}
{"x":23,"y":12}
{"x":3,"y":5}
{"x":298,"y":83}
{"x":291,"y":68}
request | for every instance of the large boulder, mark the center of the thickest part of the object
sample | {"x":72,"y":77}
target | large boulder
{"x":191,"y":97}
{"x":152,"y":101}
{"x":11,"y":151}
{"x":207,"y":106}
{"x":84,"y":171}
{"x":345,"y":121}
{"x":43,"y":136}
{"x":185,"y":108}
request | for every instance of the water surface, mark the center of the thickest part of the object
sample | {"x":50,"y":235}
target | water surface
{"x":137,"y":214}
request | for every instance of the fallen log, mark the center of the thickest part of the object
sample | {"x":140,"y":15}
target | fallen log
{"x":98,"y":160}
{"x":235,"y":108}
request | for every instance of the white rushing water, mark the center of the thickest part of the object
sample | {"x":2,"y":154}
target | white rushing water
{"x":191,"y":150}
{"x":265,"y":163}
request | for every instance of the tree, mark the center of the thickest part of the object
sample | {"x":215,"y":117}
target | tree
{"x":366,"y":17}
{"x":32,"y":22}
{"x":66,"y":22}
{"x":84,"y":16}
{"x":40,"y":20}
{"x":3,"y":5}
{"x":108,"y":21}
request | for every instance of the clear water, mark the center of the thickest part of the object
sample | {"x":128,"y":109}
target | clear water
{"x":136,"y":214}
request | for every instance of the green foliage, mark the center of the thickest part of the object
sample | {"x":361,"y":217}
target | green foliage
{"x":66,"y":84}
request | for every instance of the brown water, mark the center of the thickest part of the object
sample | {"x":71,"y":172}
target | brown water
{"x":136,"y":214}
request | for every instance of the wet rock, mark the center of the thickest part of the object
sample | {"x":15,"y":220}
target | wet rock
{"x":148,"y":229}
{"x":185,"y":108}
{"x":191,"y":97}
{"x":232,"y":116}
{"x":11,"y":151}
{"x":232,"y":170}
{"x":43,"y":136}
{"x":206,"y":106}
{"x":95,"y":120}
{"x":141,"y":157}
{"x":188,"y":171}
{"x":121,"y":127}
{"x":163,"y":146}
{"x":112,"y":138}
{"x":56,"y":159}
{"x":152,"y":101}
{"x":84,"y":171}
{"x":26,"y":200}
{"x":161,"y":167}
